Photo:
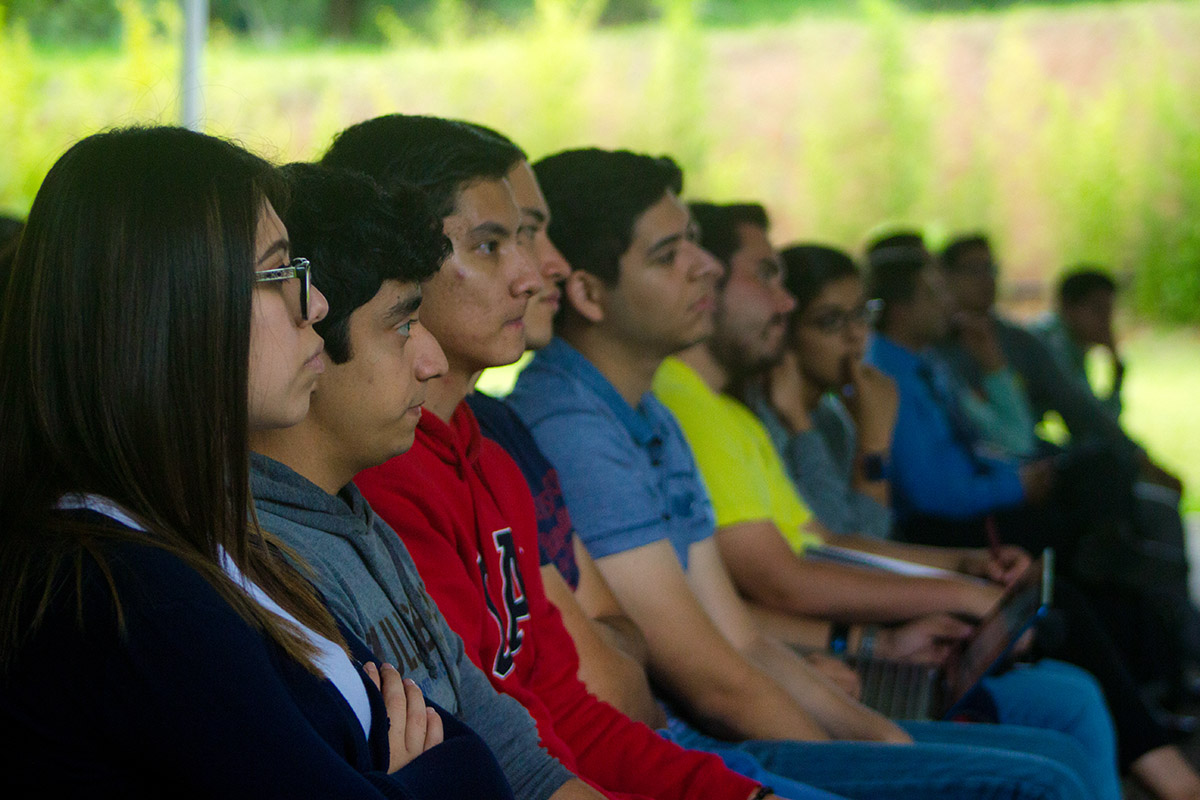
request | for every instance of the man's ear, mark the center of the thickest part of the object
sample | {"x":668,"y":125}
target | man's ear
{"x":587,"y":294}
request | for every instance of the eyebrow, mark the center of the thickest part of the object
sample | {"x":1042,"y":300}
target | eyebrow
{"x":494,"y":228}
{"x":537,"y":214}
{"x":280,"y":245}
{"x":403,"y":307}
{"x":690,"y":233}
{"x":666,"y":241}
{"x":819,"y":309}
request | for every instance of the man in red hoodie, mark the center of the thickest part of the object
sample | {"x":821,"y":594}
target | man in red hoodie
{"x":461,"y":504}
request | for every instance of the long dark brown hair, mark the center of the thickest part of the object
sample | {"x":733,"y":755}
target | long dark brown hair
{"x":124,"y":359}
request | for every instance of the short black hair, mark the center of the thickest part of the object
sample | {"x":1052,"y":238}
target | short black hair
{"x":440,"y":156}
{"x":896,"y":238}
{"x":595,"y":197}
{"x":1082,"y":281}
{"x":812,"y":267}
{"x":486,"y":131}
{"x":357,"y":236}
{"x":719,"y":225}
{"x":892,"y":279}
{"x":959,"y":246}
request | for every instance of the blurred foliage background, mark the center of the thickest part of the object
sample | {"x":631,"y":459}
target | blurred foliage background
{"x":100,"y":21}
{"x":1069,"y":131}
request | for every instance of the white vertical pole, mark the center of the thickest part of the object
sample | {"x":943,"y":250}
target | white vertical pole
{"x":195,"y":31}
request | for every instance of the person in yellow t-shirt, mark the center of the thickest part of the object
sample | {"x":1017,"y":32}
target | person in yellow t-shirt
{"x":723,"y":433}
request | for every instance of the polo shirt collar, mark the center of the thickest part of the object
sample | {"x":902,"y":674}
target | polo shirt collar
{"x":567,"y":358}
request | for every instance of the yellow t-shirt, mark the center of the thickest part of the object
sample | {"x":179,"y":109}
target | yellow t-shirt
{"x":744,"y":475}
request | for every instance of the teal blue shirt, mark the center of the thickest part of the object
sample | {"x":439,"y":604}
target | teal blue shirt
{"x":1072,"y":360}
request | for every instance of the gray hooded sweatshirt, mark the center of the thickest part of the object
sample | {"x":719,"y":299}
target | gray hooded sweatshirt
{"x":371,"y":586}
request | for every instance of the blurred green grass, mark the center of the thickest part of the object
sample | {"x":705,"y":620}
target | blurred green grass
{"x":1162,"y":387}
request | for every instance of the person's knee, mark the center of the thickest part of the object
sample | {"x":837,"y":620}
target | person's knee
{"x":1078,"y":689}
{"x":1041,"y":778}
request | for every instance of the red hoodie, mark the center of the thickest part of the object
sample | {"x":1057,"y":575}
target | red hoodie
{"x":464,"y":511}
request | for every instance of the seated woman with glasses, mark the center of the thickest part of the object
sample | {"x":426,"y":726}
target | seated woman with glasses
{"x":830,"y":415}
{"x":152,"y":639}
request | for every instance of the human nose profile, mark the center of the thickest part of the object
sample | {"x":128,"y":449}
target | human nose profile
{"x":706,"y":264}
{"x":430,"y":361}
{"x":527,"y":279}
{"x":318,"y":305}
{"x":554,"y":265}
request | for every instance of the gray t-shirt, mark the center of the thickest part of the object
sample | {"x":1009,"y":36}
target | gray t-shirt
{"x":820,"y":462}
{"x":627,"y":473}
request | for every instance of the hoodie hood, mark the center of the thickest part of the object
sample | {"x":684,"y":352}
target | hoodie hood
{"x":281,"y":491}
{"x":365,"y":574}
{"x":456,"y":443}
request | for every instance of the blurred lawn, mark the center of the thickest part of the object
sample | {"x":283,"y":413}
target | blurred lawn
{"x":1162,"y":385}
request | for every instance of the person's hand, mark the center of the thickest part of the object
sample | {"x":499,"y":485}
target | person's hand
{"x":879,"y":728}
{"x":412,"y":728}
{"x":1003,"y":564}
{"x":925,"y":640}
{"x":785,"y":390}
{"x":1108,"y":340}
{"x":1038,"y":479}
{"x":872,"y":401}
{"x":1155,"y":473}
{"x":837,"y":671}
{"x":1023,"y":644}
{"x":977,"y":332}
{"x":977,"y":598}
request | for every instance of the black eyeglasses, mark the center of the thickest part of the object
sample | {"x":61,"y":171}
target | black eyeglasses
{"x":838,"y":320}
{"x":299,"y":268}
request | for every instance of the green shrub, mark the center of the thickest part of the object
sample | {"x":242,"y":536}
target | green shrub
{"x":1068,"y":133}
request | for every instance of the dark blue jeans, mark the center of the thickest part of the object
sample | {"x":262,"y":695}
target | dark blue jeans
{"x":950,"y":761}
{"x":1062,"y":697}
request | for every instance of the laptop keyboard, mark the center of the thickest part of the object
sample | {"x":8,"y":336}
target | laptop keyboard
{"x":899,"y":690}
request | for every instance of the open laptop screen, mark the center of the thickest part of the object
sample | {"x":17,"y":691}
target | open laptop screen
{"x":996,"y":634}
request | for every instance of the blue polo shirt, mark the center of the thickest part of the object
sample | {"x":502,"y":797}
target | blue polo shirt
{"x":627,"y":473}
{"x":936,"y":466}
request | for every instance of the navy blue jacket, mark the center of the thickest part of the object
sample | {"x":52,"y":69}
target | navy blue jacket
{"x":191,"y":701}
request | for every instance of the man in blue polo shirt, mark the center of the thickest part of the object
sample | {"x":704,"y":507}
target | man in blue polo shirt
{"x":642,"y":289}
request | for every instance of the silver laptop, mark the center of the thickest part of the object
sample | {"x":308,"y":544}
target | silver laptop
{"x":922,"y":691}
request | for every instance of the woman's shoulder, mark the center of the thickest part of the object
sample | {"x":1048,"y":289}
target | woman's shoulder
{"x":114,"y":579}
{"x":143,"y":573}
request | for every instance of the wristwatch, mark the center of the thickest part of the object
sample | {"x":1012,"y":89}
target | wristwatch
{"x":839,"y":637}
